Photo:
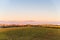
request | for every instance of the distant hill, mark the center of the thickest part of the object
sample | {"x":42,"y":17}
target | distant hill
{"x":27,"y":22}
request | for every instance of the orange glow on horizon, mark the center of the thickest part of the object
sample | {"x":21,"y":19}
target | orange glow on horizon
{"x":15,"y":19}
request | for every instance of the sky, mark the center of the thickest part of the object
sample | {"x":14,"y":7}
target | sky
{"x":38,"y":10}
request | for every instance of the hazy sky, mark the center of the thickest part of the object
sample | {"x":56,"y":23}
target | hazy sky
{"x":39,"y":10}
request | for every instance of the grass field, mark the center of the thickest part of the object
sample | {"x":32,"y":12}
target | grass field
{"x":29,"y":33}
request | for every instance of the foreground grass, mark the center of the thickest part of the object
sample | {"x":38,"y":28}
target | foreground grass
{"x":30,"y":33}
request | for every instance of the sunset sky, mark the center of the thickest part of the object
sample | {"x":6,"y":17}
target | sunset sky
{"x":38,"y":10}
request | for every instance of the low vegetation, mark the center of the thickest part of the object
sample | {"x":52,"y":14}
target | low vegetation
{"x":30,"y":33}
{"x":28,"y":25}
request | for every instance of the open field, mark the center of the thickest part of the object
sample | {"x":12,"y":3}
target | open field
{"x":29,"y":33}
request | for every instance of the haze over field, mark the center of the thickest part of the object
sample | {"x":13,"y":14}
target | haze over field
{"x":40,"y":11}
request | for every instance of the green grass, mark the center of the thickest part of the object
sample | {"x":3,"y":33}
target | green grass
{"x":31,"y":34}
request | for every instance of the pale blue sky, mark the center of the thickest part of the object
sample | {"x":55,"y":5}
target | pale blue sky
{"x":40,"y":10}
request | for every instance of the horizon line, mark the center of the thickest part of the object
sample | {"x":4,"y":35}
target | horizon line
{"x":27,"y":20}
